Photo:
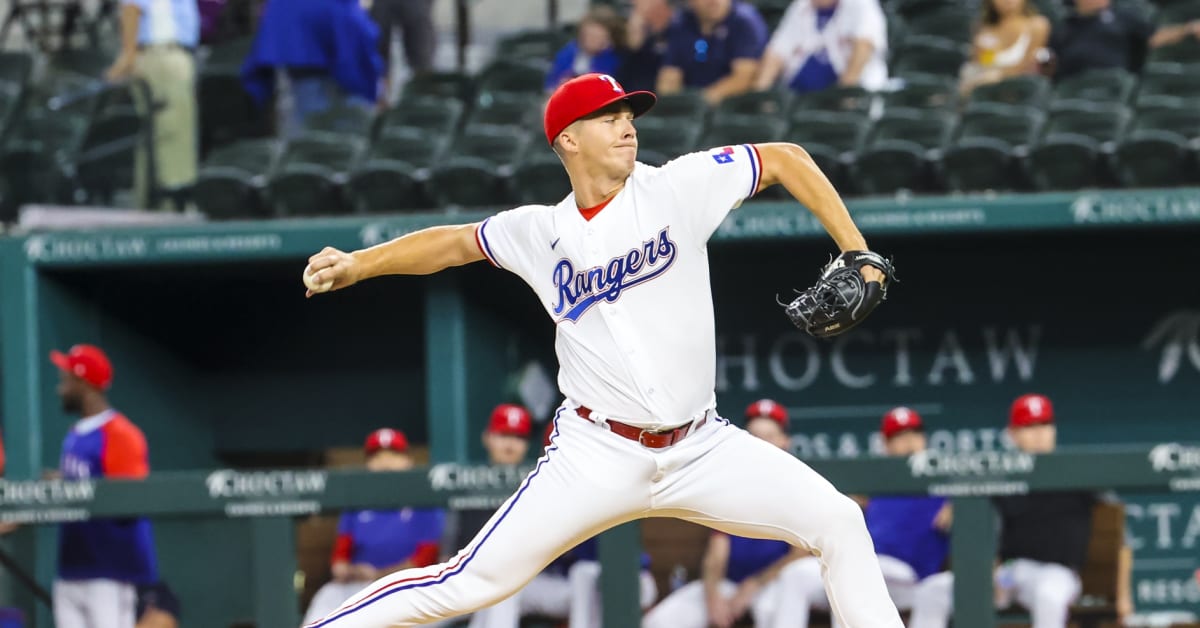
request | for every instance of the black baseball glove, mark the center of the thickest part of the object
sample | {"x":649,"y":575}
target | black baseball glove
{"x":842,"y":298}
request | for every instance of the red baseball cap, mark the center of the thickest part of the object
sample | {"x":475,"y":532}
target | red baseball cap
{"x":87,"y":362}
{"x":510,"y":419}
{"x":768,"y":408}
{"x":1030,"y":410}
{"x":900,"y":419}
{"x":586,"y":94}
{"x":386,"y":438}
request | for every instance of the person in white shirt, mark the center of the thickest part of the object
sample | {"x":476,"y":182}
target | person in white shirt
{"x":826,"y":43}
{"x":621,"y":267}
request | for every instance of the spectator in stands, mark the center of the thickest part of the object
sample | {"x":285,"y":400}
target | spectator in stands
{"x":823,"y":43}
{"x":1043,"y":541}
{"x":100,"y":562}
{"x":1098,"y":35}
{"x":768,"y":420}
{"x":157,"y":607}
{"x":646,"y":38}
{"x":157,"y":40}
{"x":373,"y":543}
{"x":322,"y":53}
{"x":1009,"y":37}
{"x":910,"y":533}
{"x":594,"y":49}
{"x":713,"y":46}
{"x":414,"y":19}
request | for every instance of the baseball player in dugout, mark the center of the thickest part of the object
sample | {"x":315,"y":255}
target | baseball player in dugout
{"x":739,"y":574}
{"x":101,"y":563}
{"x":373,"y":543}
{"x":621,"y":267}
{"x":1043,"y":541}
{"x":910,"y":533}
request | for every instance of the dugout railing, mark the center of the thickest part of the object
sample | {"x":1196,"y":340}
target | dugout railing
{"x":269,"y":500}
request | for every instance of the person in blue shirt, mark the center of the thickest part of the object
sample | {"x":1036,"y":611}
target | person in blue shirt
{"x":373,"y":543}
{"x":713,"y":46}
{"x":646,"y":40}
{"x":322,"y":52}
{"x":910,"y":534}
{"x":157,"y":40}
{"x":594,"y":48}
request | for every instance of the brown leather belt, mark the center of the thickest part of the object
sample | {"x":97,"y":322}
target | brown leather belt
{"x":644,"y":437}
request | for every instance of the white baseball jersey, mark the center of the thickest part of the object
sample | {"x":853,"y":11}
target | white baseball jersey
{"x":642,"y":356}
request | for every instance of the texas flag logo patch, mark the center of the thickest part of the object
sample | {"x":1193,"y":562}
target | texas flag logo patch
{"x":724,"y":156}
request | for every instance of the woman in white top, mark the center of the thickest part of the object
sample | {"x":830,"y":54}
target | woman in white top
{"x":1006,"y":44}
{"x":823,"y":43}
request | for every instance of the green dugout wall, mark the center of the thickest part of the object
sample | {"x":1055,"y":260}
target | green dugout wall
{"x":1090,"y":298}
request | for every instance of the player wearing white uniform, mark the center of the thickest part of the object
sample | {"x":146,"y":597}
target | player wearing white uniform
{"x":621,"y":267}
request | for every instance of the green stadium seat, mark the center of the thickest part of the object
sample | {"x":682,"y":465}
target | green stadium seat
{"x":1179,"y":12}
{"x":1114,"y":85}
{"x":342,"y":119}
{"x":671,"y":137}
{"x":990,"y":141}
{"x":439,"y":114}
{"x":231,"y":180}
{"x":464,"y":181}
{"x":742,"y":131}
{"x":1070,"y":155}
{"x":928,"y":55}
{"x":105,"y":161}
{"x":382,"y":185}
{"x":1182,"y":118}
{"x":1186,"y":51}
{"x":845,"y":99}
{"x":923,"y":92}
{"x":686,"y":105}
{"x":227,"y":54}
{"x":1029,"y":90}
{"x":311,"y":172}
{"x":772,"y":103}
{"x":1153,"y":158}
{"x":502,"y":146}
{"x":540,"y":179}
{"x":829,"y":137}
{"x":85,"y":62}
{"x":506,"y":76}
{"x":15,"y":67}
{"x":512,"y":110}
{"x":1174,"y":80}
{"x":456,"y":85}
{"x":416,"y":146}
{"x":913,"y":8}
{"x":653,"y":157}
{"x":898,"y":152}
{"x":227,"y":113}
{"x":533,"y":44}
{"x":953,"y":23}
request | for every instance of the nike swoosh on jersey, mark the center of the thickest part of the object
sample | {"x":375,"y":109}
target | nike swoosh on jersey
{"x":554,"y":243}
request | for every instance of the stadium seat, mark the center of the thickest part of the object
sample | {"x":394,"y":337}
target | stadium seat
{"x":1174,"y":80}
{"x":771,"y":103}
{"x":1070,"y":154}
{"x":923,"y":92}
{"x":438,"y":114}
{"x":311,"y":171}
{"x":540,"y":179}
{"x":1113,"y":85}
{"x":653,"y":157}
{"x":454,"y":85}
{"x":382,"y":185}
{"x":742,"y":131}
{"x":830,"y":138}
{"x":16,"y":67}
{"x":231,"y":180}
{"x":845,"y":99}
{"x":479,"y":163}
{"x":1029,"y":90}
{"x":685,"y":105}
{"x":1179,"y":12}
{"x":105,"y":161}
{"x":534,"y":44}
{"x":506,"y":76}
{"x":85,"y":62}
{"x":1179,"y":117}
{"x":417,"y":146}
{"x":913,"y":8}
{"x":671,"y":137}
{"x":227,"y":113}
{"x":500,"y":145}
{"x":1186,"y":51}
{"x":928,"y":55}
{"x":513,"y":110}
{"x":898,"y":150}
{"x":342,"y":119}
{"x":990,"y":141}
{"x":1153,"y":158}
{"x":954,"y":23}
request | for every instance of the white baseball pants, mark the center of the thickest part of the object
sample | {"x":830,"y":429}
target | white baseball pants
{"x":95,"y":603}
{"x":590,"y":480}
{"x":1046,"y":589}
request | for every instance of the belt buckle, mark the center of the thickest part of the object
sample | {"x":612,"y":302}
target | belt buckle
{"x":642,"y":435}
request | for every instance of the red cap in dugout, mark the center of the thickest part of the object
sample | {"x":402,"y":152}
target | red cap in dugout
{"x":510,"y":419}
{"x":768,"y":408}
{"x":900,"y":419}
{"x":87,"y":362}
{"x":585,"y":95}
{"x":386,"y":438}
{"x":1030,"y":410}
